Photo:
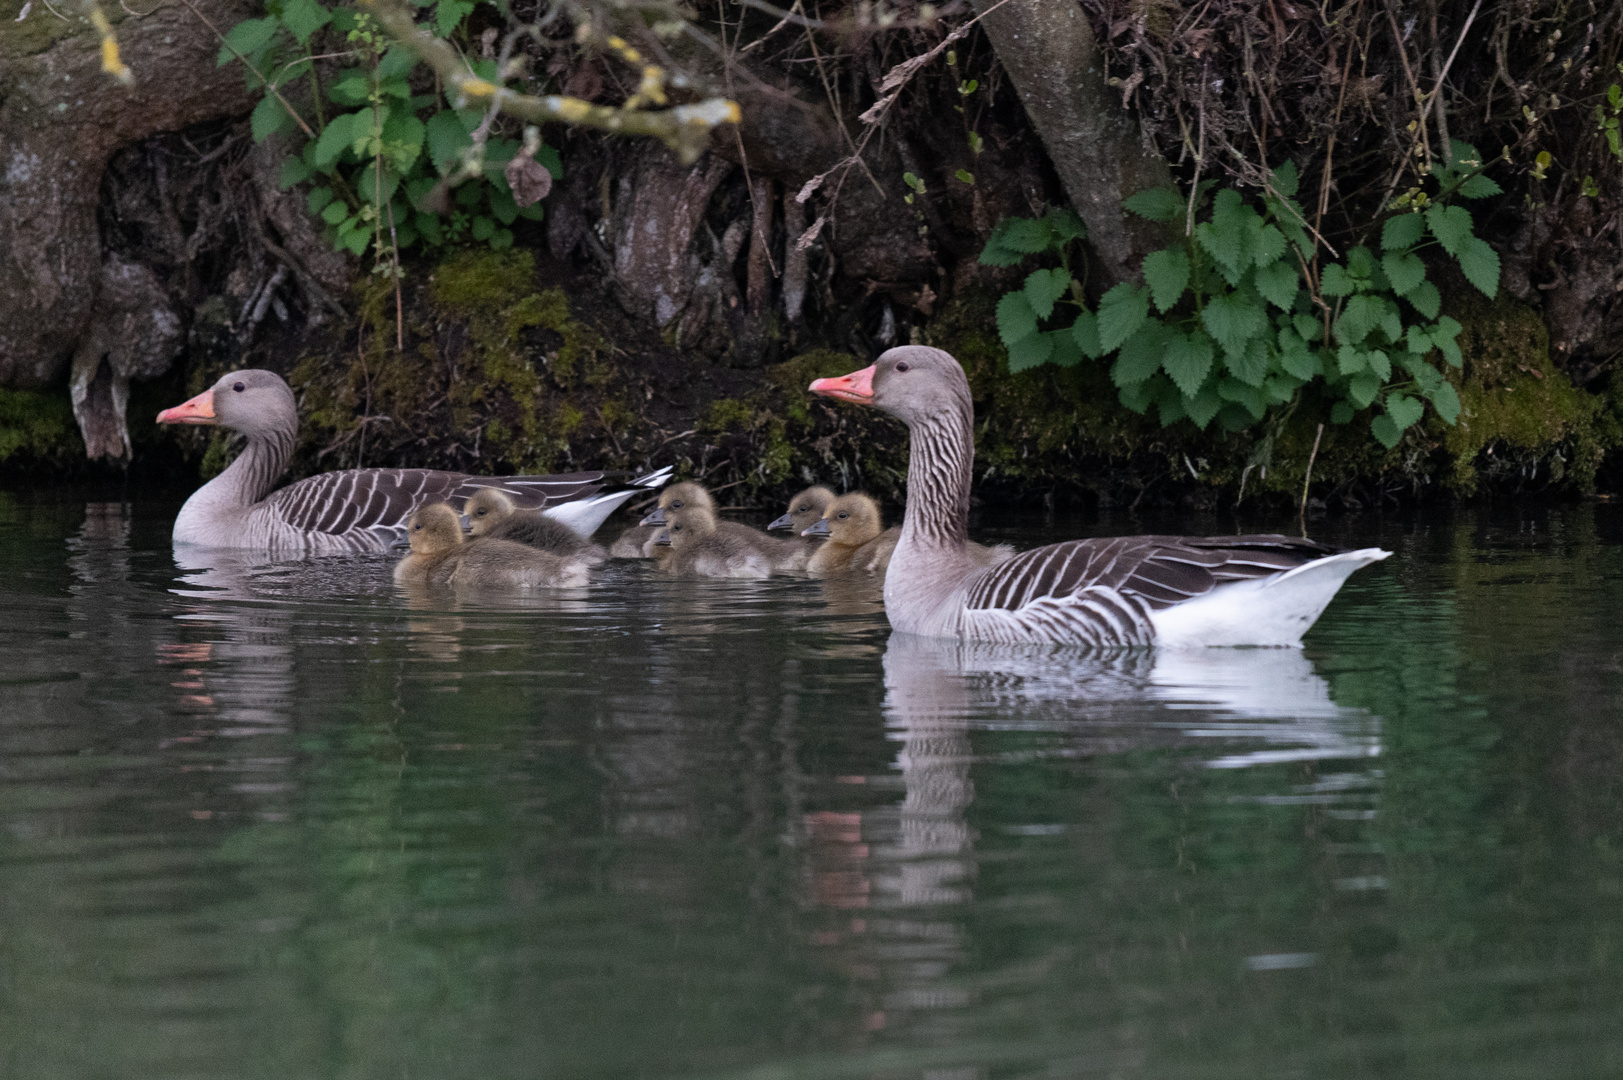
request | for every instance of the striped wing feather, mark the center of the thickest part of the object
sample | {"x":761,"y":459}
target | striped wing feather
{"x":356,"y":499}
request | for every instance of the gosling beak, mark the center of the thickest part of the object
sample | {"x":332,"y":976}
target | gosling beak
{"x":818,"y":528}
{"x":857,"y":387}
{"x":663,"y":539}
{"x":401,"y":544}
{"x":655,"y":517}
{"x":199,"y":410}
{"x":467,"y":526}
{"x":782,"y":523}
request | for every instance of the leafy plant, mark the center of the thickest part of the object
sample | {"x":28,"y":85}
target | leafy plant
{"x":1231,"y":323}
{"x":375,"y":148}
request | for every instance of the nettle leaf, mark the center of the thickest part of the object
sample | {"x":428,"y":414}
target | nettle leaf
{"x":351,"y":90}
{"x":1172,"y":409}
{"x":1248,"y":397}
{"x":1278,"y":283}
{"x":318,"y":199}
{"x":1297,"y":358}
{"x":304,"y":17}
{"x":247,"y":38}
{"x":1278,"y":389}
{"x":1122,"y":311}
{"x":1391,"y":321}
{"x":1030,"y":351}
{"x":1065,"y":225}
{"x":1140,"y":355}
{"x":1427,"y":376}
{"x":268,"y":118}
{"x":337,"y":137}
{"x":1341,"y":413}
{"x":1361,"y":389}
{"x":1310,"y":328}
{"x":1234,"y":320}
{"x":335,"y":212}
{"x":1446,"y":400}
{"x":1285,"y":180}
{"x":1139,"y":396}
{"x":1349,"y":361}
{"x":1043,"y":287}
{"x":1478,"y":187}
{"x":1480,"y":264}
{"x":1335,"y":281}
{"x":295,"y":170}
{"x":1443,"y":334}
{"x":1015,"y":318}
{"x":1361,"y":315}
{"x":1426,"y":299}
{"x":1403,"y":231}
{"x":1451,"y":225}
{"x":1166,"y":272}
{"x":1418,"y":340}
{"x":1404,"y":271}
{"x":1385,"y":430}
{"x":1085,"y":332}
{"x":1203,"y":406}
{"x":1250,"y":366}
{"x":1188,"y":360}
{"x":1157,"y":204}
{"x":403,"y":139}
{"x":448,"y":15}
{"x":1223,"y":238}
{"x":397,"y":62}
{"x":1066,"y":353}
{"x":1361,"y":264}
{"x":1013,"y":239}
{"x":1264,"y":243}
{"x":446,"y":138}
{"x":1379,"y":363}
{"x":1404,"y":410}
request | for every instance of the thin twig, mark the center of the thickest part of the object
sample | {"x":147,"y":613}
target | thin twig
{"x":1308,"y":479}
{"x":245,"y":63}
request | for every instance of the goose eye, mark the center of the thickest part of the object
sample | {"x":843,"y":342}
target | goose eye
{"x":902,"y":365}
{"x":842,"y":515}
{"x":677,"y":505}
{"x":480,"y":513}
{"x":416,"y":528}
{"x":238,"y":387}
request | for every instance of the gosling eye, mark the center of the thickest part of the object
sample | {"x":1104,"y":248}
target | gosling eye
{"x":842,"y":515}
{"x":802,"y":509}
{"x":416,"y":528}
{"x":238,"y":387}
{"x":677,"y":505}
{"x":676,"y":528}
{"x":480,"y":513}
{"x":902,"y":365}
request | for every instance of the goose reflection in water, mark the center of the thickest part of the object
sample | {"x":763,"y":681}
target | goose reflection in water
{"x":907,"y":866}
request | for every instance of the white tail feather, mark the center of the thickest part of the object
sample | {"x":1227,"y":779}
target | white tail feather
{"x":1271,"y":611}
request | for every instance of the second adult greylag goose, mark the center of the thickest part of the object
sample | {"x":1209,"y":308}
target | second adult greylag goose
{"x":336,"y":513}
{"x":490,"y":513}
{"x":1114,"y":591}
{"x":698,"y":546}
{"x":782,"y":554}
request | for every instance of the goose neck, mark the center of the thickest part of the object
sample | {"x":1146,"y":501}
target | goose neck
{"x":252,"y":476}
{"x":938,"y":474}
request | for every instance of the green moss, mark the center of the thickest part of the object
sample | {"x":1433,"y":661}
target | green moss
{"x":38,"y":427}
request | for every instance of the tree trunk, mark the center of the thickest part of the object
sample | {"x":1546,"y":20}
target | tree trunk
{"x":1048,"y":49}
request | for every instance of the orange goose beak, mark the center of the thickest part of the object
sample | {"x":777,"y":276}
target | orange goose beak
{"x":199,"y":410}
{"x":857,"y":387}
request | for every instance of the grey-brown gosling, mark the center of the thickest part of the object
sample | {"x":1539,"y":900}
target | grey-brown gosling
{"x":804,"y":510}
{"x":781,"y":554}
{"x":435,"y":534}
{"x":855,"y":537}
{"x":491,"y":514}
{"x":699,"y":546}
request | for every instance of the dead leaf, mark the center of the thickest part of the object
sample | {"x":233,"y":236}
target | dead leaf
{"x":529,"y":180}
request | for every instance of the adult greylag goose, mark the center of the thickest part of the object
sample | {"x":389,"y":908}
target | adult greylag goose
{"x":439,"y":556}
{"x":788,"y":554}
{"x":1112,"y":591}
{"x":490,"y":513}
{"x":700,"y":547}
{"x":853,"y":537}
{"x":805,"y":510}
{"x":355,"y":510}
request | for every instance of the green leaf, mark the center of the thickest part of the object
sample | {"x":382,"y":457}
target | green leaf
{"x":294,"y":171}
{"x":1278,"y":283}
{"x":446,"y":139}
{"x":1285,"y":180}
{"x":1139,"y":396}
{"x":1350,"y":361}
{"x":1361,"y":264}
{"x":403,"y":140}
{"x":1029,"y":351}
{"x":1451,"y":225}
{"x":1043,"y":287}
{"x":1241,"y":394}
{"x":1015,"y":319}
{"x":1310,"y":328}
{"x":1234,"y":320}
{"x":1140,"y":355}
{"x":429,"y":225}
{"x":1446,"y":400}
{"x":374,"y":189}
{"x":1166,"y":272}
{"x":337,"y":137}
{"x":549,"y":157}
{"x":1480,"y":264}
{"x":1085,"y":332}
{"x":502,"y":205}
{"x":268,"y":118}
{"x":318,"y":199}
{"x":1443,"y":334}
{"x":1404,"y":271}
{"x":1479,"y":186}
{"x":1391,"y":321}
{"x":396,"y":63}
{"x":1264,"y":243}
{"x":1122,"y":311}
{"x":1361,"y":315}
{"x":247,"y":37}
{"x":304,"y":17}
{"x":1278,"y":389}
{"x":1202,"y":407}
{"x":1157,"y":204}
{"x":1403,"y":231}
{"x":1250,"y":366}
{"x":356,"y":240}
{"x":1296,"y":358}
{"x":1013,"y":239}
{"x":351,"y":90}
{"x":1426,"y":299}
{"x":1172,"y":409}
{"x":1188,"y":360}
{"x":1379,"y":363}
{"x":1223,"y":238}
{"x":1335,"y":281}
{"x":448,"y":15}
{"x":1066,"y":354}
{"x":1340,"y":412}
{"x":1404,"y":410}
{"x":335,"y":212}
{"x":1386,"y":430}
{"x":1065,"y":225}
{"x":483,"y":228}
{"x":1361,"y":389}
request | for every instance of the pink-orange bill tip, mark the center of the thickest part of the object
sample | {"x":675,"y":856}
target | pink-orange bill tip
{"x":199,"y":410}
{"x":857,"y":387}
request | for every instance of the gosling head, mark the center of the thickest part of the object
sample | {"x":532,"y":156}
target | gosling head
{"x":686,"y":527}
{"x":852,"y":520}
{"x":433,"y":530}
{"x":804,"y":509}
{"x":679,"y":497}
{"x":487,"y":508}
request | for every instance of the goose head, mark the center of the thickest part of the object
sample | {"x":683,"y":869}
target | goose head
{"x":252,"y":401}
{"x":679,"y":497}
{"x":433,"y":530}
{"x":851,"y":520}
{"x":914,"y":383}
{"x":686,"y":526}
{"x":804,"y":510}
{"x":485,"y":509}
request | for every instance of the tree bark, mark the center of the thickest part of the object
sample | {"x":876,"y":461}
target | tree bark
{"x":1049,"y":52}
